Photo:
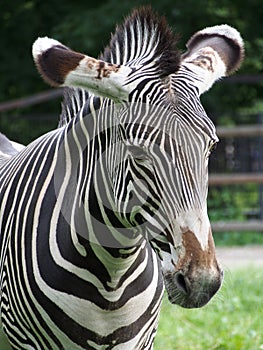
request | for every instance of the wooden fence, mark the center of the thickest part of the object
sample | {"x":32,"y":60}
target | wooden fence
{"x":239,"y":226}
{"x":234,"y":179}
{"x":35,"y":99}
{"x":214,"y":179}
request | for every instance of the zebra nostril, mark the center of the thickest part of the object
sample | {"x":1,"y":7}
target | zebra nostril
{"x":181,"y":283}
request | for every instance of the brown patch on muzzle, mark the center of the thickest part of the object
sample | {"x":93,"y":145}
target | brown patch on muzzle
{"x":197,"y":275}
{"x":195,"y":256}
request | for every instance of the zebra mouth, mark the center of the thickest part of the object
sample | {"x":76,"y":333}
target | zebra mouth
{"x":189,"y":293}
{"x":189,"y":304}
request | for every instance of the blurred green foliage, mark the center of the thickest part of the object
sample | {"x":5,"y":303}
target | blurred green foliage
{"x":86,"y":27}
{"x":234,"y":203}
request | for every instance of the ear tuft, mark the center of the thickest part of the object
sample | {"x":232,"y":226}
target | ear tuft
{"x":43,"y":44}
{"x":225,"y":40}
{"x":54,"y":60}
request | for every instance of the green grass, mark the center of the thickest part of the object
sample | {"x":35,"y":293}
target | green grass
{"x":232,"y":321}
{"x":3,"y":342}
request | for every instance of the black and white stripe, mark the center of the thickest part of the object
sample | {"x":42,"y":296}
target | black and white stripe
{"x":85,"y":208}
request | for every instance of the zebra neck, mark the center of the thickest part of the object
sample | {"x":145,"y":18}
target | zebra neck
{"x":89,"y":206}
{"x":118,"y":262}
{"x":190,"y":80}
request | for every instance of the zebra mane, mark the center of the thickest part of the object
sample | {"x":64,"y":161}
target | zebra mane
{"x":144,"y":37}
{"x":73,"y":101}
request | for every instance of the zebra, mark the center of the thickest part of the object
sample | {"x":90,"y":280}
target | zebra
{"x":8,"y":148}
{"x":101,"y":215}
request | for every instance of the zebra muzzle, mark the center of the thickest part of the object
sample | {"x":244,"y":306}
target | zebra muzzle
{"x":197,"y":275}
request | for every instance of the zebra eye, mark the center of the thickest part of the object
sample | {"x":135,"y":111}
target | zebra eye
{"x":212,"y":147}
{"x":137,"y":153}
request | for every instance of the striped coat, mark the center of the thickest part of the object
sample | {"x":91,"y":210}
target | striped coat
{"x":98,"y":216}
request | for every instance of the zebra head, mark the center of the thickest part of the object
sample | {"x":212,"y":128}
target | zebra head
{"x":158,"y":160}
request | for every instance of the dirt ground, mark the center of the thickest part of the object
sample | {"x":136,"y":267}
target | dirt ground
{"x":235,"y":257}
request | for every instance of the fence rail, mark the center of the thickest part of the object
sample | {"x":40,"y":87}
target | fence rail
{"x":235,"y":179}
{"x":40,"y":97}
{"x":240,"y":226}
{"x":240,"y":131}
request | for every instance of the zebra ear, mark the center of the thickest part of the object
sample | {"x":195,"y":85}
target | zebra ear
{"x":214,"y":52}
{"x":60,"y":66}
